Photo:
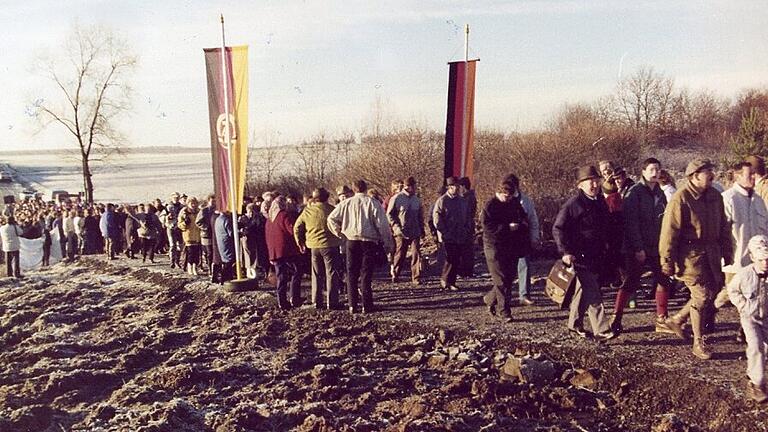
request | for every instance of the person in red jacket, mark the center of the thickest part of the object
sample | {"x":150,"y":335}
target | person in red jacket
{"x":284,"y":253}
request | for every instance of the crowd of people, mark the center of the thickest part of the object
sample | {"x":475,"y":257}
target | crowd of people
{"x":613,"y":231}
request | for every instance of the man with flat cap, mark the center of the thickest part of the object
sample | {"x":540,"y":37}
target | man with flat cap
{"x":695,"y":237}
{"x":581,"y":237}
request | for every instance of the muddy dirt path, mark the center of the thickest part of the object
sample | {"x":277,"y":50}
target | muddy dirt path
{"x":123,"y":346}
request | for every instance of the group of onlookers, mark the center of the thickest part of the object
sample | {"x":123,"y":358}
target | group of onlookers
{"x":613,"y":231}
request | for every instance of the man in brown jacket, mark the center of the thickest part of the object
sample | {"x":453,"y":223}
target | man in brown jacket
{"x":695,"y":236}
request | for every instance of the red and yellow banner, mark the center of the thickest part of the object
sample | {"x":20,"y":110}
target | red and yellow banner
{"x":236,"y":59}
{"x":460,"y":122}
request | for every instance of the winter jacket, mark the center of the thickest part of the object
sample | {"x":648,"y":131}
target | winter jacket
{"x":361,"y":218}
{"x":10,"y":237}
{"x":533,"y":219}
{"x":695,"y":236}
{"x":580,"y":230}
{"x":190,"y":232}
{"x":453,"y":219}
{"x":495,"y":219}
{"x":152,"y":222}
{"x":311,"y":228}
{"x":225,"y":240}
{"x":747,"y":215}
{"x":405,"y":215}
{"x":643,"y":211}
{"x":109,"y":226}
{"x":280,"y":241}
{"x":203,"y":221}
{"x":749,"y":294}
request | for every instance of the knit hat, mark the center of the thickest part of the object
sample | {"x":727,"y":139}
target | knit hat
{"x":758,"y":247}
{"x":586,"y":173}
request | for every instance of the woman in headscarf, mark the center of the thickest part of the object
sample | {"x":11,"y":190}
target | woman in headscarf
{"x":284,"y":253}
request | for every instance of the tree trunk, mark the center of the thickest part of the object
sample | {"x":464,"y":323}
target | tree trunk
{"x":87,"y":181}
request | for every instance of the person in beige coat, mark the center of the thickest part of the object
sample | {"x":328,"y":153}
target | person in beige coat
{"x":695,"y":237}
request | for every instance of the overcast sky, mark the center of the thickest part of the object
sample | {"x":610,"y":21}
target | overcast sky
{"x":317,"y":66}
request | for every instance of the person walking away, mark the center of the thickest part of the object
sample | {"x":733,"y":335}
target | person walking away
{"x":284,"y":253}
{"x":406,"y":218}
{"x":311,"y":231}
{"x":361,"y":221}
{"x":149,"y":231}
{"x":747,"y":216}
{"x":695,"y":237}
{"x":454,"y":225}
{"x":643,"y":211}
{"x":748,"y":291}
{"x":225,"y":245}
{"x":190,"y":233}
{"x":131,"y":236}
{"x":506,"y":239}
{"x":523,"y":264}
{"x":580,"y":233}
{"x":9,"y":237}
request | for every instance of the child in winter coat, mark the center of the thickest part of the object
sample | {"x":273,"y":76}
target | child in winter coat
{"x":748,"y":291}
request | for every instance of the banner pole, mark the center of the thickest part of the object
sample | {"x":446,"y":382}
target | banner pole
{"x":465,"y":120}
{"x":230,"y":164}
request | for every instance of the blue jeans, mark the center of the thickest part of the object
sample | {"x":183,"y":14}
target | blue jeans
{"x":523,"y":277}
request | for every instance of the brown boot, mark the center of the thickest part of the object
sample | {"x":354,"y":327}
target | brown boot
{"x":672,"y":325}
{"x":701,"y":350}
{"x":756,"y":393}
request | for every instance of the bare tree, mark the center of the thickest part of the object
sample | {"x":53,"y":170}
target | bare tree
{"x":643,"y":102}
{"x":89,"y":76}
{"x":265,"y":159}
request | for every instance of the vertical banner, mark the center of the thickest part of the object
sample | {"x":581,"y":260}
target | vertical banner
{"x":459,"y":124}
{"x":237,"y":75}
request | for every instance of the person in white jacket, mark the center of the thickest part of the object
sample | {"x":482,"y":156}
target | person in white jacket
{"x":748,"y":216}
{"x":362,"y":221}
{"x":9,"y":235}
{"x":748,"y":291}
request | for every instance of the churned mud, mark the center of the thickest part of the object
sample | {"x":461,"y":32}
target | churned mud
{"x":123,"y":346}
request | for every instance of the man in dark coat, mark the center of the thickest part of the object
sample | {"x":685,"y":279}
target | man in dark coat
{"x":506,"y":239}
{"x":455,"y":227}
{"x":643,"y":206}
{"x":580,"y":234}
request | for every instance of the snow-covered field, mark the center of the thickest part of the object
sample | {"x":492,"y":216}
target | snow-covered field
{"x":135,"y":177}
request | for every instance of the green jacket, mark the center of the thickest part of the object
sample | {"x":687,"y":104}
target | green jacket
{"x":311,"y":228}
{"x":695,"y":236}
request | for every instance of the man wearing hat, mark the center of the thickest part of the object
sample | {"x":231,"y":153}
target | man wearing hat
{"x":407,"y":221}
{"x":581,"y":237}
{"x":454,"y":224}
{"x":695,"y":237}
{"x":749,"y":293}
